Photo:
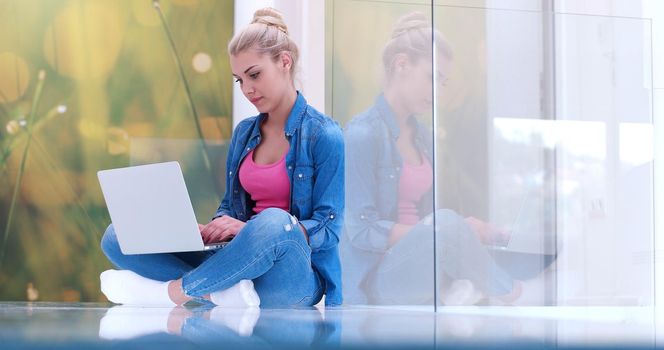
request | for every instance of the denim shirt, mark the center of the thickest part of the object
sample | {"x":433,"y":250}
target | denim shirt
{"x":315,"y":167}
{"x":373,"y":171}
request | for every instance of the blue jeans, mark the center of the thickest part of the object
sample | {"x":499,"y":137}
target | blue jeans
{"x":269,"y":250}
{"x":405,"y":272}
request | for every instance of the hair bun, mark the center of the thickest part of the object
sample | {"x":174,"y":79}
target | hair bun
{"x":271,"y":18}
{"x":411,"y":21}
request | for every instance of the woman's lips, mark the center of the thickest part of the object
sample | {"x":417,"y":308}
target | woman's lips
{"x":255,"y":100}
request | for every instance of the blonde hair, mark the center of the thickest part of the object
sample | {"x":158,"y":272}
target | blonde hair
{"x":412,"y":35}
{"x":267,"y":34}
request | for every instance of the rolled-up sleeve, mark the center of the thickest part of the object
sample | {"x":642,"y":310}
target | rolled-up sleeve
{"x":365,"y":228}
{"x":324,"y":226}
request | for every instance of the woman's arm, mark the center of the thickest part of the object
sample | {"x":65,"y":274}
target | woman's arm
{"x":365,"y":228}
{"x":224,"y":206}
{"x":397,"y":232}
{"x":223,"y":226}
{"x":324,"y":227}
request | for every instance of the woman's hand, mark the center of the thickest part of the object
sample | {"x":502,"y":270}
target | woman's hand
{"x":304,"y":230}
{"x":397,"y":233}
{"x":221,"y":229}
{"x":487,"y":233}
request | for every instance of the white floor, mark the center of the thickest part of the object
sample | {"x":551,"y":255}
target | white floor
{"x":26,"y":325}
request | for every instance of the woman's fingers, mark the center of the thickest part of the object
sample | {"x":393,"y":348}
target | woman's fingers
{"x":205,"y":233}
{"x":218,"y":234}
{"x":221,"y":229}
{"x":222,"y":236}
{"x":208,"y":236}
{"x":212,"y":230}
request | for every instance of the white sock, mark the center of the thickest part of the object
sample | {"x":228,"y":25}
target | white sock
{"x":126,"y":322}
{"x":461,"y":293}
{"x":242,"y":294}
{"x":241,"y":321}
{"x":126,"y":287}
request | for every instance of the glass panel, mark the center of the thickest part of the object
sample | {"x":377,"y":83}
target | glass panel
{"x":604,"y":154}
{"x":382,"y":92}
{"x":492,"y":179}
{"x":544,"y":147}
{"x":111,"y":96}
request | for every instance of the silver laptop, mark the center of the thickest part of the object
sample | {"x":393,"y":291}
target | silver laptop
{"x":527,"y":236}
{"x":151,"y":210}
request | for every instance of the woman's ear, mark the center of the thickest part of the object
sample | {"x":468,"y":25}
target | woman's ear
{"x":285,"y":61}
{"x":400,"y":62}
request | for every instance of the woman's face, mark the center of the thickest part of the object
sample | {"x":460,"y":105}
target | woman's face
{"x":414,"y":79}
{"x":263,"y":81}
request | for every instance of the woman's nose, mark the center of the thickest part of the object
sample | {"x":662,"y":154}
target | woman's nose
{"x":248,"y":89}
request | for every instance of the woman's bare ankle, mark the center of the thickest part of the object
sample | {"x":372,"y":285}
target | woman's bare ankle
{"x":176,"y":319}
{"x":517,"y":290}
{"x":176,"y":293}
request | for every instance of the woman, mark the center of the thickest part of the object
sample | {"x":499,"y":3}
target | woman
{"x":283,"y":206}
{"x":388,"y":243}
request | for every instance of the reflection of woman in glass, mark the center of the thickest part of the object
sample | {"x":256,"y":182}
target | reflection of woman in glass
{"x":387,"y":248}
{"x":283,"y":205}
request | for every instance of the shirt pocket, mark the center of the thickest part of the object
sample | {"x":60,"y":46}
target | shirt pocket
{"x":303,"y":184}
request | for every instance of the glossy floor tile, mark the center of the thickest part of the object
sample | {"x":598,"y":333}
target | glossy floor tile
{"x":63,"y":325}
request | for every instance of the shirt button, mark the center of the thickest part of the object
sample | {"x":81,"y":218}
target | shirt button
{"x":230,"y":173}
{"x":332,"y":216}
{"x":391,"y":176}
{"x":248,"y":148}
{"x":299,"y":175}
{"x":290,"y":167}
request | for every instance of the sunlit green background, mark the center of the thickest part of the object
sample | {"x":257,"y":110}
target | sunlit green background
{"x":112,"y":96}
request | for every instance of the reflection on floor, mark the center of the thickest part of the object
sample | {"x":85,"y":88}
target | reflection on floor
{"x":62,"y":325}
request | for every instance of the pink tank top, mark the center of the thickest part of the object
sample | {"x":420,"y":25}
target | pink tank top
{"x":267,"y":184}
{"x":415,"y":181}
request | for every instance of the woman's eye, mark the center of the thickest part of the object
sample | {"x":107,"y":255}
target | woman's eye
{"x":238,"y":81}
{"x":254,"y":75}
